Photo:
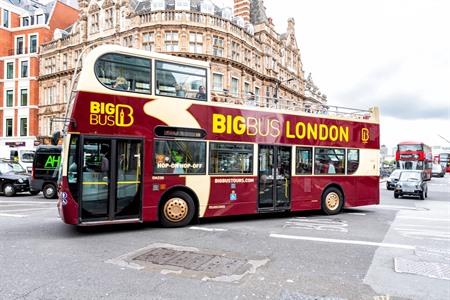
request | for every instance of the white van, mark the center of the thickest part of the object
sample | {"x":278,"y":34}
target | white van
{"x":24,"y":157}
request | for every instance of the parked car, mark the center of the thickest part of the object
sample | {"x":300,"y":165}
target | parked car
{"x":393,"y":178}
{"x":13,"y":178}
{"x":45,"y":171}
{"x":412,"y":183}
{"x":437,"y":171}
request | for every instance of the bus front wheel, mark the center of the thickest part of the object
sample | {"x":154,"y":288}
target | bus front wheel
{"x":178,"y":210}
{"x":332,"y":201}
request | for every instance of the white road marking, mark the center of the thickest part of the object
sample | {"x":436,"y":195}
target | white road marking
{"x":423,"y":218}
{"x":356,"y":214}
{"x":395,"y":207}
{"x":317,"y":224}
{"x":13,"y":215}
{"x":27,"y":202}
{"x":207,"y":229}
{"x":27,"y":209}
{"x":339,"y":241}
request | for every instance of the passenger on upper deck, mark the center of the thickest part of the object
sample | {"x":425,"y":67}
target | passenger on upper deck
{"x":201,"y":93}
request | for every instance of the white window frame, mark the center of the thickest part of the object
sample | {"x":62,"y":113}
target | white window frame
{"x":4,"y":126}
{"x":20,"y":68}
{"x":6,"y":69}
{"x":9,"y":18}
{"x":15,"y":44}
{"x":37,"y":42}
{"x":231,"y":86}
{"x":20,"y":126}
{"x":5,"y":90}
{"x":213,"y":87}
{"x":19,"y":103}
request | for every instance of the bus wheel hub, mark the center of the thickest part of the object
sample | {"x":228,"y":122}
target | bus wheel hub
{"x":332,"y":201}
{"x":175,"y":209}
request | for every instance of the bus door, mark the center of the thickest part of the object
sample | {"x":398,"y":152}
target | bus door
{"x":274,"y":177}
{"x":111,"y":179}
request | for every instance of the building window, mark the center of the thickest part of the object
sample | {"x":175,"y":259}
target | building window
{"x":304,"y":161}
{"x":176,"y":80}
{"x":329,"y":161}
{"x":23,"y":97}
{"x":19,"y":45}
{"x":9,"y":70}
{"x":94,"y":23}
{"x":124,"y":73}
{"x":217,"y":82}
{"x":9,"y":98}
{"x":109,"y":18}
{"x":64,"y":62}
{"x":5,"y":18}
{"x":25,"y":21}
{"x":246,"y":88}
{"x":234,"y":86}
{"x":227,"y":158}
{"x":179,"y":157}
{"x":171,"y":41}
{"x":33,"y":43}
{"x":235,"y":51}
{"x":128,"y":41}
{"x":64,"y":92}
{"x":257,"y":93}
{"x":148,"y":41}
{"x":24,"y":69}
{"x":9,"y":127}
{"x":40,"y":19}
{"x":217,"y":46}
{"x":195,"y":42}
{"x":23,"y":126}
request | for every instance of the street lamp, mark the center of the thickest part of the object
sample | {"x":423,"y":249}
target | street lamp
{"x":277,"y":85}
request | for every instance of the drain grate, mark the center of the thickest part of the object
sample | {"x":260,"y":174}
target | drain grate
{"x":424,"y":268}
{"x":195,"y":261}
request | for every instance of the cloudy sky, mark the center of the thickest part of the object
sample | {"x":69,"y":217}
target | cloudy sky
{"x":394,"y":54}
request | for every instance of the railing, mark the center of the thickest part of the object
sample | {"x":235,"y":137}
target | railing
{"x":291,"y":105}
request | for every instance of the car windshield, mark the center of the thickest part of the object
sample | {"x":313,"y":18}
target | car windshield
{"x":7,"y":167}
{"x":395,"y":174}
{"x":410,"y":176}
{"x":436,"y":168}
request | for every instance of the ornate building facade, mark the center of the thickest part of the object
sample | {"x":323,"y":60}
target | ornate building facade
{"x":246,"y":54}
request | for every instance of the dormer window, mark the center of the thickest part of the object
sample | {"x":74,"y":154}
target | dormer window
{"x":158,"y":5}
{"x":227,"y":13}
{"x":207,"y":7}
{"x":5,"y":18}
{"x":182,"y":4}
{"x":26,"y":21}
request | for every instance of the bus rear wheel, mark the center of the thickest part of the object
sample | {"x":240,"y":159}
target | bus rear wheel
{"x":177,"y":210}
{"x":332,"y":201}
{"x":49,"y":191}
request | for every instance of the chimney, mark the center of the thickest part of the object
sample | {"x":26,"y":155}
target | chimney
{"x":242,"y":9}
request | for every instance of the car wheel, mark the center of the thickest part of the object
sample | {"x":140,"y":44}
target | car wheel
{"x":49,"y":191}
{"x":396,"y":195}
{"x":177,"y":211}
{"x":34,"y":193}
{"x":9,"y":190}
{"x":421,"y":196}
{"x":332,"y":201}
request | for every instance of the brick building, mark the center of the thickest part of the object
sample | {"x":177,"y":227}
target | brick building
{"x":246,"y":54}
{"x":24,"y":26}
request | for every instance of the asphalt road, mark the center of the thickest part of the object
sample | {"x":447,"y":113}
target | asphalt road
{"x":399,"y":249}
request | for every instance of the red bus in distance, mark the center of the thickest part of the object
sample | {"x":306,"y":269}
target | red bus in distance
{"x":147,"y":140}
{"x":414,"y":156}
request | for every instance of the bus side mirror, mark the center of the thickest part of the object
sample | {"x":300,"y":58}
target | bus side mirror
{"x":55,"y":138}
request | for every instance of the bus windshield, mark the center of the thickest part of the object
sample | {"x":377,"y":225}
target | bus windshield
{"x":410,"y":147}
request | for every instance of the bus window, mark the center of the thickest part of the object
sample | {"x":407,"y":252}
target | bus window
{"x":228,"y":158}
{"x":304,"y":161}
{"x":124,"y":73}
{"x":352,"y":160}
{"x":175,"y":80}
{"x":179,"y":157}
{"x":329,"y":161}
{"x":73,"y":162}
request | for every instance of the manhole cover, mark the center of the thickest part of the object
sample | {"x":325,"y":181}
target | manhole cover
{"x":207,"y":265}
{"x":424,"y":268}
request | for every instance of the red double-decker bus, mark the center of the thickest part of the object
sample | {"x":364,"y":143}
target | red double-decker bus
{"x":444,"y":161}
{"x":146,"y":141}
{"x":414,"y":156}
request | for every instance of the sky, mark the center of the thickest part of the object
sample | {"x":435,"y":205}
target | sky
{"x":394,"y":54}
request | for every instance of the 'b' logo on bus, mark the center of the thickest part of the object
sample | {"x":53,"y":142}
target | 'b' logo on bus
{"x":365,"y":135}
{"x":109,"y":114}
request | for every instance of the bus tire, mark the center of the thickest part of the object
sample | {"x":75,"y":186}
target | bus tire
{"x":49,"y":191}
{"x":9,"y":190}
{"x":332,"y":201}
{"x":177,"y":210}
